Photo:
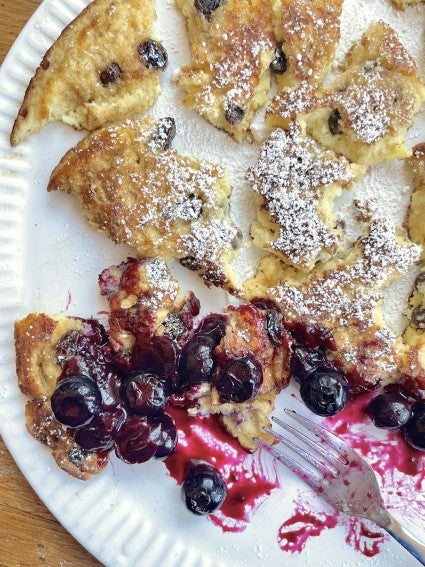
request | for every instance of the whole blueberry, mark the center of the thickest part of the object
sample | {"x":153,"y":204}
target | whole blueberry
{"x":145,"y":393}
{"x":389,"y":410}
{"x":75,"y":400}
{"x":325,"y":393}
{"x":304,"y":360}
{"x":239,"y":380}
{"x":99,"y":434}
{"x":135,"y":441}
{"x":214,"y":326}
{"x":197,"y":361}
{"x":414,"y":429}
{"x":167,"y":436}
{"x":204,"y":489}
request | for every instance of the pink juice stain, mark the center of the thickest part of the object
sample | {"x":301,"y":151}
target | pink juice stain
{"x":364,"y":536}
{"x":68,"y":300}
{"x":385,"y":456}
{"x":247,"y":482}
{"x":399,"y":469}
{"x":295,"y":531}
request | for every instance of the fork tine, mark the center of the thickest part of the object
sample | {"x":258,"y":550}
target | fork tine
{"x":319,"y":465}
{"x":309,"y":477}
{"x":332,"y":464}
{"x":342,"y":448}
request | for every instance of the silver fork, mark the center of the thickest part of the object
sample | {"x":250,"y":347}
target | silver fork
{"x":340,"y":476}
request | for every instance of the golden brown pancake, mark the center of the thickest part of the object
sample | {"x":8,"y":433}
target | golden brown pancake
{"x":104,"y":66}
{"x":135,"y":188}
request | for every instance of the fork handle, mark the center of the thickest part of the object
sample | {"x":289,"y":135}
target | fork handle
{"x":407,"y":540}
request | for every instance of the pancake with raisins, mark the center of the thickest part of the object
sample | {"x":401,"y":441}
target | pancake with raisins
{"x":232,"y":46}
{"x":135,"y":188}
{"x":368,"y":108}
{"x":307,"y":32}
{"x":344,"y":295}
{"x":104,"y":66}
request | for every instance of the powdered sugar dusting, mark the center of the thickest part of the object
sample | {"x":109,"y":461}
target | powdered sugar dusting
{"x":230,"y":59}
{"x":198,"y":138}
{"x":206,"y":240}
{"x":187,"y":192}
{"x":377,"y":95}
{"x":310,"y":31}
{"x":160,"y":282}
{"x":349,"y":293}
{"x":238,"y":75}
{"x":292,"y":175}
{"x":369,"y":102}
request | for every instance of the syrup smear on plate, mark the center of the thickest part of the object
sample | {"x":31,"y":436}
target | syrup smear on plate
{"x":399,"y":468}
{"x":247,"y":483}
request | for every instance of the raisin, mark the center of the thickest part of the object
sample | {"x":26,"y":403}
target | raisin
{"x":418,"y":317}
{"x":189,"y":208}
{"x":236,"y":241}
{"x":279,"y":62}
{"x":420,"y":279}
{"x":190,"y":262}
{"x":153,"y":54}
{"x":164,"y":133}
{"x":234,"y":114}
{"x":110,"y":74}
{"x":334,"y":122}
{"x":77,"y":456}
{"x":207,"y":7}
{"x":174,"y":326}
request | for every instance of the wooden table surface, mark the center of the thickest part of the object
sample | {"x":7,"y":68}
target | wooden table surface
{"x":29,"y":535}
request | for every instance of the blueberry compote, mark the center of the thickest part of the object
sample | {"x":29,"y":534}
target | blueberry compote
{"x":76,"y":400}
{"x":324,"y":393}
{"x":274,"y":320}
{"x":197,"y":361}
{"x":324,"y":389}
{"x":397,"y":409}
{"x":112,"y":404}
{"x":145,"y":393}
{"x":239,"y":380}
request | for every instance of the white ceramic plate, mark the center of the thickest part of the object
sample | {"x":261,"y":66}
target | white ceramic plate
{"x":49,"y":261}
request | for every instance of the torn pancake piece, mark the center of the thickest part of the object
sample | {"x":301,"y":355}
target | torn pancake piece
{"x":414,"y":218}
{"x":344,"y":296}
{"x":104,"y":66}
{"x":247,"y":352}
{"x":297,"y":182}
{"x":39,"y":342}
{"x":132,"y":186}
{"x":366,"y":111}
{"x":232,"y":46}
{"x":307,"y":33}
